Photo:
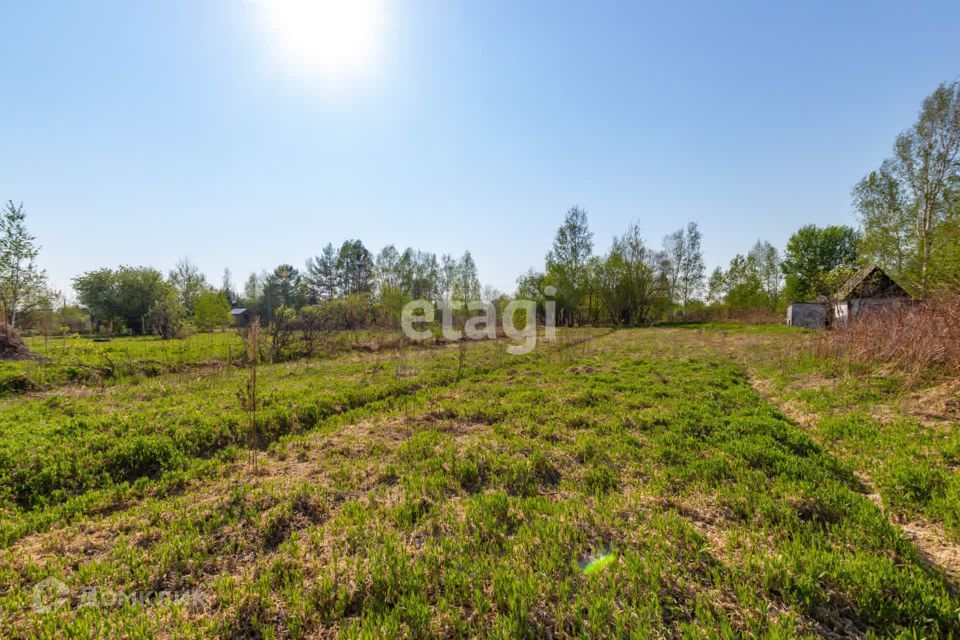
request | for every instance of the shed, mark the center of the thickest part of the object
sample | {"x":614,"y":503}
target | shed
{"x":241,"y":317}
{"x":869,"y":288}
{"x":812,"y":315}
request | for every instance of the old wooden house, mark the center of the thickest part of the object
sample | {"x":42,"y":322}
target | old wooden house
{"x":869,"y":288}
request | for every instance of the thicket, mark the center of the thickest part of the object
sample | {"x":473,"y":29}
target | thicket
{"x":919,"y":339}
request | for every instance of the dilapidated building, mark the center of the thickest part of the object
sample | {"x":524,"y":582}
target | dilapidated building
{"x":869,"y":288}
{"x":241,"y":317}
{"x":811,"y":315}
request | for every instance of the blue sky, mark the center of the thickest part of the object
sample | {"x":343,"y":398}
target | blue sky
{"x":139,"y":132}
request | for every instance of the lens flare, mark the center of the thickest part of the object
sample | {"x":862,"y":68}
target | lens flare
{"x":323,"y":38}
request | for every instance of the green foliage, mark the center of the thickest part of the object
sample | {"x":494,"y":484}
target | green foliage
{"x":465,"y":287}
{"x":283,"y":287}
{"x":686,"y":273}
{"x":211,"y":310}
{"x":814,"y":252}
{"x":322,"y":278}
{"x":909,"y":206}
{"x":189,"y":283}
{"x":750,"y":283}
{"x":632,"y":281}
{"x":167,"y":317}
{"x":845,"y":406}
{"x":125,"y":295}
{"x":355,"y":268}
{"x":567,"y":263}
{"x":630,"y":284}
{"x":22,"y":282}
{"x":747,"y":294}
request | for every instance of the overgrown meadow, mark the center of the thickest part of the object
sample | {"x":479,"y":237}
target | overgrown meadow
{"x":627,"y":483}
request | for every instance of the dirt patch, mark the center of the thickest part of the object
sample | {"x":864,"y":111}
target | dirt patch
{"x":934,"y":546}
{"x":317,"y":460}
{"x":12,"y":347}
{"x":711,"y":522}
{"x":582,"y":369}
{"x":931,"y":541}
{"x":871,"y":488}
{"x":937,"y":405}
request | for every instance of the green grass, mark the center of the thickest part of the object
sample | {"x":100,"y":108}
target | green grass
{"x":55,"y":448}
{"x":875,"y":419}
{"x":75,"y":359}
{"x":437,"y":505}
{"x":195,"y":348}
{"x":79,"y":360}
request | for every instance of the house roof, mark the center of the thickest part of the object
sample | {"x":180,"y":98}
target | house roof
{"x":871,"y":282}
{"x":237,"y":312}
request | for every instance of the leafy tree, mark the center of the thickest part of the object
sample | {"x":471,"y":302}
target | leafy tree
{"x":167,"y":316}
{"x":282,"y":287}
{"x":615,"y":287}
{"x":22,"y":282}
{"x":126,"y":294}
{"x":466,"y":285}
{"x":252,"y":291}
{"x":908,"y":208}
{"x":96,"y":292}
{"x":692,"y":270}
{"x":211,"y":310}
{"x":747,"y":294}
{"x":322,"y":277}
{"x":751,"y":282}
{"x":388,"y":275}
{"x":686,"y":273}
{"x":530,"y":285}
{"x":355,"y":268}
{"x":281,"y":332}
{"x":421,"y":274}
{"x":812,"y":252}
{"x":567,"y":262}
{"x":633,"y":280}
{"x":226,"y":288}
{"x":884,"y":215}
{"x":410,"y":275}
{"x":716,"y":286}
{"x":188,"y":281}
{"x":738,"y":272}
{"x":764,"y":261}
{"x":446,"y":275}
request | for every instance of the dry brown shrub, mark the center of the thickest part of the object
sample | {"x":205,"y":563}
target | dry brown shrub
{"x":12,"y":346}
{"x":917,"y":339}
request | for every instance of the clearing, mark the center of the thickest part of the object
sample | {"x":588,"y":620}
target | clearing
{"x":732,"y":484}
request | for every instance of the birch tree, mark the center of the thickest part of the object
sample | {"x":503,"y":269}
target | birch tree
{"x":22,"y":282}
{"x":908,"y":208}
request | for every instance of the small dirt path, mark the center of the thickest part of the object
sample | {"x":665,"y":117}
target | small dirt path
{"x":930,"y":539}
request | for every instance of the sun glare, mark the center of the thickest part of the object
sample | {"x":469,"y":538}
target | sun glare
{"x":324,"y":38}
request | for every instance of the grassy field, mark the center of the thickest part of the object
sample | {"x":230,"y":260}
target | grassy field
{"x":80,"y":360}
{"x":688,"y":482}
{"x":75,"y":359}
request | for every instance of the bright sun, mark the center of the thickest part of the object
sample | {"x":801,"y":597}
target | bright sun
{"x":325,"y":38}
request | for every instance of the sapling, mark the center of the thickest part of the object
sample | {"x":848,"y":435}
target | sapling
{"x":248,"y":395}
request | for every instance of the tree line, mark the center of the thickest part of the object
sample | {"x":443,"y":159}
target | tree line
{"x":143,"y":300}
{"x":909,"y":223}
